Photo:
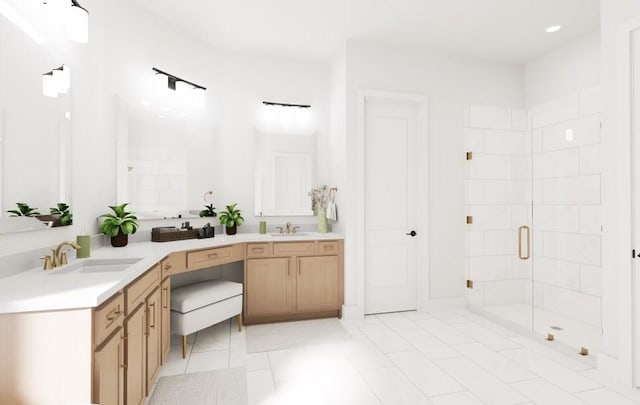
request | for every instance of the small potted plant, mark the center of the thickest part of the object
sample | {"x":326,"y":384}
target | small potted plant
{"x":23,"y":211}
{"x":119,"y":225}
{"x":63,"y":211}
{"x":231,"y":218}
{"x":209,"y":212}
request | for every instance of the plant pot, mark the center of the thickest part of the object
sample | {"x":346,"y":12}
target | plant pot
{"x":231,"y":230}
{"x":323,"y":225}
{"x":120,"y":240}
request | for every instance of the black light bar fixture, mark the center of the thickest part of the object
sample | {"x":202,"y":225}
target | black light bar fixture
{"x":286,"y":104}
{"x":172,"y":80}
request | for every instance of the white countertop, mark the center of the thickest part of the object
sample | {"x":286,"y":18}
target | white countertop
{"x":38,"y":290}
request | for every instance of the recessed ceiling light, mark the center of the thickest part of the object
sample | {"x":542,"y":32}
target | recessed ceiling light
{"x":554,"y":28}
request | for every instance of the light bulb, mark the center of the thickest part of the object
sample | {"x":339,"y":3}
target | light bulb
{"x":58,"y":79}
{"x":78,"y":24}
{"x":49,"y":88}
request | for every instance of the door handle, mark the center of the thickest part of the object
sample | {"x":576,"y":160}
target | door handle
{"x":412,"y":234}
{"x":520,"y":255}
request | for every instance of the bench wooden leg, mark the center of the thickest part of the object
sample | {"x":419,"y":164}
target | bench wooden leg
{"x":240,"y":322}
{"x":184,"y":346}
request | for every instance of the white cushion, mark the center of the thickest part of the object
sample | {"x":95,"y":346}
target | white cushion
{"x":186,"y":324}
{"x":198,"y":295}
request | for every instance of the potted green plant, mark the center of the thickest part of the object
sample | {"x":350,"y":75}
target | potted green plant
{"x":209,"y":212}
{"x":231,"y":218}
{"x":119,"y":225}
{"x":64,"y":212}
{"x":23,"y":211}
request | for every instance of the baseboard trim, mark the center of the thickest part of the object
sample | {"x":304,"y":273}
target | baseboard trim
{"x":352,"y":312}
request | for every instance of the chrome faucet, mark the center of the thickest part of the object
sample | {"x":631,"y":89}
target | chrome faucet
{"x":288,"y":228}
{"x":58,"y":257}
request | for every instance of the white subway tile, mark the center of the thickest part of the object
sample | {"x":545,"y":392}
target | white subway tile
{"x":591,"y":101}
{"x":555,"y":111}
{"x":489,"y":167}
{"x":572,"y":133}
{"x":489,"y":267}
{"x":572,"y":190}
{"x":487,"y":217}
{"x":497,"y":191}
{"x":520,"y":167}
{"x":499,"y":242}
{"x":557,"y":272}
{"x":520,"y":269}
{"x":474,"y":243}
{"x":520,"y":191}
{"x":572,"y":247}
{"x":473,"y":140}
{"x":560,"y":218}
{"x":504,"y":142}
{"x":590,"y":157}
{"x":591,"y":219}
{"x":505,"y":292}
{"x":489,"y":117}
{"x":519,"y":119}
{"x":474,"y":190}
{"x":520,"y":215}
{"x":536,"y":140}
{"x":560,"y":163}
{"x":591,"y":279}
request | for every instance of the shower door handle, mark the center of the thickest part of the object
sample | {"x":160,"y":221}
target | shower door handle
{"x":528,"y":254}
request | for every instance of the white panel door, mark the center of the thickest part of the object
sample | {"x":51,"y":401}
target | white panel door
{"x":391,"y":147}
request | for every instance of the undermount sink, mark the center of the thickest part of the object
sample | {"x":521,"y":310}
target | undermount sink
{"x":290,"y":234}
{"x":93,"y":266}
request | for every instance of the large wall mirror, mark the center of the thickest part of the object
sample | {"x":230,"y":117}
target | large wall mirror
{"x":35,"y":132}
{"x":284,"y":173}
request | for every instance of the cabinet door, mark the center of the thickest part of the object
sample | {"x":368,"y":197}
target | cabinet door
{"x":317,"y":284}
{"x":108,"y":372}
{"x":154,"y":344}
{"x":136,"y":326}
{"x":268,"y":286}
{"x":166,"y":317}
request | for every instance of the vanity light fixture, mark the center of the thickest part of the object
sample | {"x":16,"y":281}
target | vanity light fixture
{"x":56,"y":81}
{"x":189,"y":90}
{"x":286,"y":104}
{"x":78,"y":23}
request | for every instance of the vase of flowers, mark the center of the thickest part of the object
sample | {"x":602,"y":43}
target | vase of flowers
{"x":321,"y":199}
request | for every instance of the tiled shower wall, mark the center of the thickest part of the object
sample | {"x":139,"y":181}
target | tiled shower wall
{"x":498,"y":196}
{"x":554,"y":150}
{"x":567,"y":213}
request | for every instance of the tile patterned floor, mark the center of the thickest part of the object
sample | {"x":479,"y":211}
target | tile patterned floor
{"x":442,"y":358}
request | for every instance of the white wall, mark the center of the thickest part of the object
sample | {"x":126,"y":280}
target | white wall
{"x":567,"y":69}
{"x":450,"y":84}
{"x":616,"y":202}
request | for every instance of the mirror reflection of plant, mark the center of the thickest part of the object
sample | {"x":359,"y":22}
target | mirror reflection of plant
{"x":210,"y":211}
{"x":23,"y":211}
{"x":231,"y":216}
{"x":120,"y":222}
{"x":62,"y":209}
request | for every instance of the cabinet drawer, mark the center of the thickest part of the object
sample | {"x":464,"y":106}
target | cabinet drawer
{"x":107,"y":318}
{"x":200,"y":259}
{"x":294,"y":248}
{"x":138,"y":290}
{"x":328,"y":248}
{"x":173,"y":264}
{"x":258,"y":250}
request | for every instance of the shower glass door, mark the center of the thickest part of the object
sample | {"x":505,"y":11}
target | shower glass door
{"x":498,"y":189}
{"x":532,"y":194}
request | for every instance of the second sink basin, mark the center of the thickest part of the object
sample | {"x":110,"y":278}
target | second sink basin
{"x":93,"y":266}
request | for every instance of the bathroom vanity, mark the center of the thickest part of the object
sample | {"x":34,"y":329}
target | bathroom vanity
{"x":85,"y":333}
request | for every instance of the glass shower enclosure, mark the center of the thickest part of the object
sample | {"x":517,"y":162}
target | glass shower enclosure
{"x":533,"y":227}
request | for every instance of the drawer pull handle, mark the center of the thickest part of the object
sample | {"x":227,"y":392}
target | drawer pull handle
{"x":213,"y":255}
{"x":258,"y":249}
{"x":164,"y":297}
{"x":114,"y":314}
{"x":168,"y":266}
{"x":153,"y":317}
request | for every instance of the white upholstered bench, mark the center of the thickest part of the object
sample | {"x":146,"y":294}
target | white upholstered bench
{"x":203,"y":304}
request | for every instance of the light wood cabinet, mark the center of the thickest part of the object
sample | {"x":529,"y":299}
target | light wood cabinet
{"x":165,"y":335}
{"x":317,"y":284}
{"x":108,"y":371}
{"x":136,"y":339}
{"x":175,"y":263}
{"x":269,"y":286}
{"x":293,"y":280}
{"x":154,"y":342}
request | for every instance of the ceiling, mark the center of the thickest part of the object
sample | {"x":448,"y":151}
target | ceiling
{"x":500,"y":30}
